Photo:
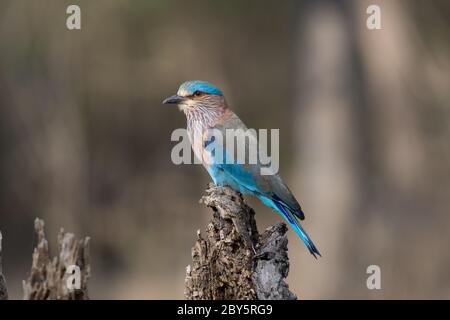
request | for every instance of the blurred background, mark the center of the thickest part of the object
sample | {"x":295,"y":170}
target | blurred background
{"x":364,"y":130}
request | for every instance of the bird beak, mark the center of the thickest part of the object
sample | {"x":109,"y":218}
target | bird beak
{"x":175,"y":99}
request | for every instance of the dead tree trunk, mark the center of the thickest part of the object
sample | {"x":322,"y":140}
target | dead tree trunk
{"x":3,"y":290}
{"x":234,"y":261}
{"x":49,"y":277}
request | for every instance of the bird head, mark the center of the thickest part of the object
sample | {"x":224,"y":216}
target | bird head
{"x":197,"y":95}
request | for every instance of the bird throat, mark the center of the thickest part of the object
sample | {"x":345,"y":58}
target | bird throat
{"x":199,"y":120}
{"x":202,"y":117}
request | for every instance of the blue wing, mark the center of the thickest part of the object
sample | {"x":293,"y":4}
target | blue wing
{"x":270,"y":189}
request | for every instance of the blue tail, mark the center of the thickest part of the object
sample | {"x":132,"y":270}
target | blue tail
{"x":292,"y":219}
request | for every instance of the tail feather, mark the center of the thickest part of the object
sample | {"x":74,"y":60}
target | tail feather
{"x":295,"y":224}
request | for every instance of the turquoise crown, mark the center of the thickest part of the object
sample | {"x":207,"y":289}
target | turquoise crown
{"x":190,"y":87}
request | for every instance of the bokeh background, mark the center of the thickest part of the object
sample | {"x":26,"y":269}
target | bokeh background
{"x":364,"y":119}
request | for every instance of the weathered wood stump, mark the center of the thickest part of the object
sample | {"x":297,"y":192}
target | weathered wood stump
{"x":234,"y":261}
{"x":3,"y":289}
{"x":49,"y":279}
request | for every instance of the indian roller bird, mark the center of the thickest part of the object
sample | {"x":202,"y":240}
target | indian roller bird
{"x":205,"y":108}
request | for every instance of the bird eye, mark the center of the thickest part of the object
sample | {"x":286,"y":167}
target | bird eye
{"x":197,"y":94}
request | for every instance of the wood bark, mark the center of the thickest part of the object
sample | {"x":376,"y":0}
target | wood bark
{"x":233,"y":261}
{"x":3,"y":289}
{"x":49,"y":278}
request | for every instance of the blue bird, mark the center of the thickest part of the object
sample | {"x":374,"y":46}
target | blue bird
{"x":206,"y":109}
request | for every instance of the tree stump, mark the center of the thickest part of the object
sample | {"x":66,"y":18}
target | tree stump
{"x":234,"y":261}
{"x":3,"y":289}
{"x":49,"y":279}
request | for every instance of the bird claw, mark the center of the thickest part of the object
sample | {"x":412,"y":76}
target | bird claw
{"x":254,"y":250}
